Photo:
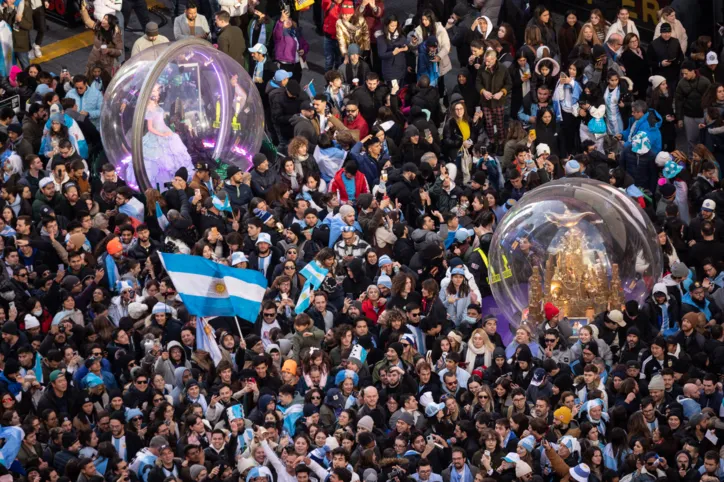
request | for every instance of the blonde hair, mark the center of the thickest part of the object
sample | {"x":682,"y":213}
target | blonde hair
{"x":594,"y":38}
{"x":489,"y":345}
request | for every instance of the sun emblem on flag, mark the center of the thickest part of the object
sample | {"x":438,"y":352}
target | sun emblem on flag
{"x":220,"y":288}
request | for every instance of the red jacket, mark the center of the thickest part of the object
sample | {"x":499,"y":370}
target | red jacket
{"x":359,"y":124}
{"x":332,"y":11}
{"x":368,"y":310}
{"x":360,"y":186}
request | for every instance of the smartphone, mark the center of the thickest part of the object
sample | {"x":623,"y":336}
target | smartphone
{"x":394,"y":83}
{"x":427,"y":133}
{"x":533,"y":135}
{"x":11,"y":305}
{"x":577,"y":401}
{"x":478,"y":109}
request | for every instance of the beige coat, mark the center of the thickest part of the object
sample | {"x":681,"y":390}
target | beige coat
{"x":353,"y":32}
{"x":443,"y":46}
{"x":677,"y":31}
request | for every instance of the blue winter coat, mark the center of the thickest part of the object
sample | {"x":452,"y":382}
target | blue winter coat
{"x":90,"y":102}
{"x":641,"y":167}
{"x":644,"y":125}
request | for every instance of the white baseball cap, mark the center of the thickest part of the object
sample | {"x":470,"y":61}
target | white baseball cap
{"x":712,"y":59}
{"x":261,"y":49}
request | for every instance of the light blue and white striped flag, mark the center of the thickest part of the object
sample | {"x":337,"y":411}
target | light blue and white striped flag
{"x":114,"y":277}
{"x":206,"y":340}
{"x":212,"y":289}
{"x":162,"y":219}
{"x":314,"y":274}
{"x":291,"y":414}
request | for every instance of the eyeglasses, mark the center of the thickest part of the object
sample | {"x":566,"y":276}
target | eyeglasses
{"x":142,"y":382}
{"x":97,"y":353}
{"x":270,"y":315}
{"x":550,"y":340}
{"x":315,"y":397}
{"x":289,"y":267}
{"x":22,"y":275}
{"x":454,"y":382}
{"x":156,"y":400}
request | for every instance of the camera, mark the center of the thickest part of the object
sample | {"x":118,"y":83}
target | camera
{"x":396,"y":475}
{"x":61,"y":329}
{"x":168,"y":185}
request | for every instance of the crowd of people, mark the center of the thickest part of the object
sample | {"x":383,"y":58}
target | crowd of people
{"x":390,"y":182}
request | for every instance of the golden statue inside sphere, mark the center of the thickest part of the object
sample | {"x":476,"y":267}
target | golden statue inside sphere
{"x":576,"y":278}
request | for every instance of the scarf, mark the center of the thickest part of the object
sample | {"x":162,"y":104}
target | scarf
{"x":293,"y":180}
{"x":259,"y":69}
{"x":465,"y":476}
{"x":598,"y":423}
{"x":464,"y":129}
{"x":472,"y":354}
{"x":526,"y":83}
{"x":262,"y":31}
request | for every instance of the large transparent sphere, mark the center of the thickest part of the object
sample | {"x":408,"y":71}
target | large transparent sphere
{"x":177,"y":104}
{"x":580,"y":244}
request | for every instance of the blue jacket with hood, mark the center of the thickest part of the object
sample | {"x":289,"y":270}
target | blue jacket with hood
{"x":650,"y":124}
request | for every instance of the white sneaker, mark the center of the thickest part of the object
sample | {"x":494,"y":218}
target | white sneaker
{"x":31,"y":54}
{"x":38,"y":52}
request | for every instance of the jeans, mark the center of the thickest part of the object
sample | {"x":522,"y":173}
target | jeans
{"x":332,"y":55}
{"x":691,"y":127}
{"x":23,"y":59}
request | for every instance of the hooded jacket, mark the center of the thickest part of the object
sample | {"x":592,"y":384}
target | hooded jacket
{"x":168,"y":368}
{"x":654,"y":310}
{"x":650,"y":124}
{"x":467,"y":91}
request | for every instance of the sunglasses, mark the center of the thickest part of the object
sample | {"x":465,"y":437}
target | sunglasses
{"x":269,"y":315}
{"x":142,"y":382}
{"x":549,"y":340}
{"x":317,"y":397}
{"x":484,"y":397}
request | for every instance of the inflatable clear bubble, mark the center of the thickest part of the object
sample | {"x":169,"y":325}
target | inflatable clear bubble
{"x":580,"y":244}
{"x":177,"y":104}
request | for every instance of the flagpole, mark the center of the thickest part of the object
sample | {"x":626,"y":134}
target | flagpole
{"x":238,"y":327}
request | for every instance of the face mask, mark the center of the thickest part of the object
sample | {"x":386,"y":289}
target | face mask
{"x":37,"y":312}
{"x":470,"y":319}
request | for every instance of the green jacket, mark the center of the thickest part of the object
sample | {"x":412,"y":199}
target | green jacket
{"x":41,"y":200}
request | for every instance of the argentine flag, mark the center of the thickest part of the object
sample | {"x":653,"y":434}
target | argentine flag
{"x":314,"y":275}
{"x":13,"y":437}
{"x":212,"y":289}
{"x":162,"y":219}
{"x":291,"y":414}
{"x":206,"y":340}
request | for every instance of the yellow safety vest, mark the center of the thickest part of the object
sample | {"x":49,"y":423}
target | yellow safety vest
{"x":492,"y":276}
